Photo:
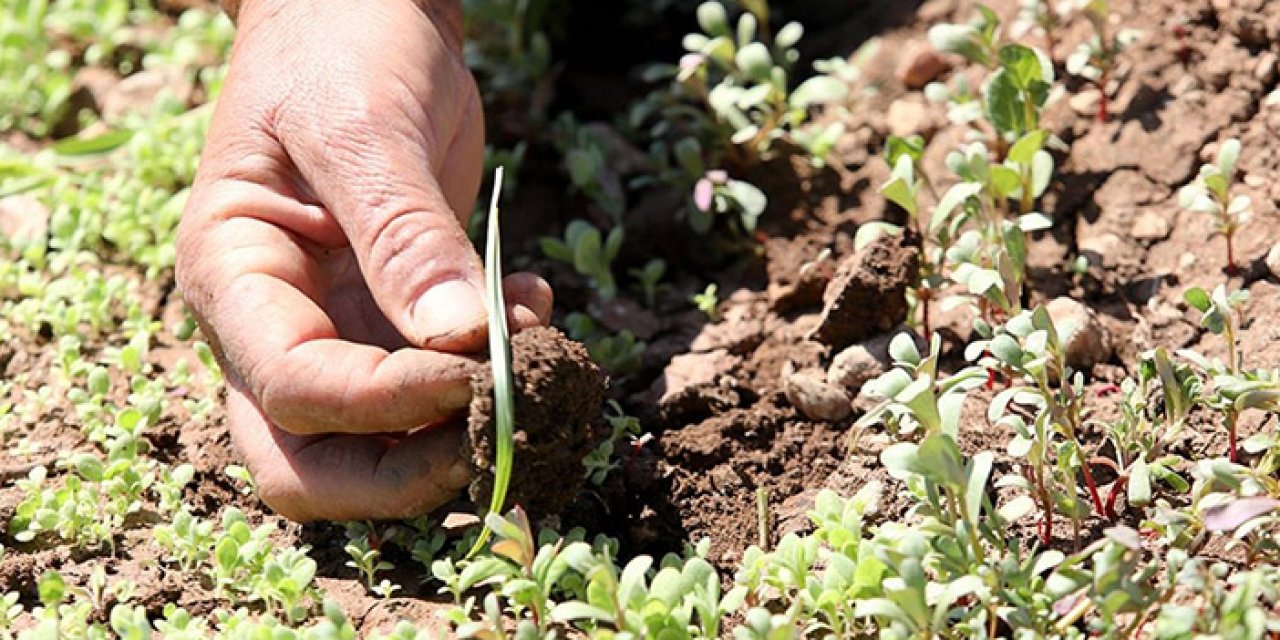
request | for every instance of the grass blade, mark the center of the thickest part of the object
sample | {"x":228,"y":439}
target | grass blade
{"x":500,"y":360}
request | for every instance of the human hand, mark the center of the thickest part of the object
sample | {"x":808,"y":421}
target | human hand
{"x":323,"y":253}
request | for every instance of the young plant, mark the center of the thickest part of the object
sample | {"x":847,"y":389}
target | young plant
{"x":619,"y":353}
{"x":588,"y":166}
{"x":1043,"y":16}
{"x":650,"y":279}
{"x":977,"y":41}
{"x":500,"y":362}
{"x":1235,"y":388}
{"x":742,"y":72}
{"x":1014,"y":92}
{"x":1142,"y":435}
{"x":368,"y":561}
{"x":588,"y":253}
{"x":716,"y":193}
{"x":1095,"y":59}
{"x":602,"y":461}
{"x":1031,"y":348}
{"x":708,"y":301}
{"x":1211,"y":193}
{"x":914,"y":397}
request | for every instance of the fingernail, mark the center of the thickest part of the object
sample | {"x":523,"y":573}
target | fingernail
{"x":449,"y":314}
{"x":459,"y":475}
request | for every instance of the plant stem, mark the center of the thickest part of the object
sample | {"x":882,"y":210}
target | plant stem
{"x":1088,"y":475}
{"x":1114,"y":494}
{"x":1231,"y":260}
{"x":762,"y":517}
{"x":1234,"y":453}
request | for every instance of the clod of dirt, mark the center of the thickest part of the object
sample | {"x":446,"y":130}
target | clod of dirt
{"x":921,"y":65}
{"x":868,"y":295}
{"x":559,"y":393}
{"x":810,"y":394}
{"x":1150,"y":226}
{"x":694,"y":386}
{"x":862,"y":362}
{"x":1086,"y":341}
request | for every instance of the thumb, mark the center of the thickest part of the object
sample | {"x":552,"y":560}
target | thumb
{"x":422,"y":270}
{"x":399,"y":198}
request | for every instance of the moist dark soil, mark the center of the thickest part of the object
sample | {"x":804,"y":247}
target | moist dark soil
{"x":559,"y":396}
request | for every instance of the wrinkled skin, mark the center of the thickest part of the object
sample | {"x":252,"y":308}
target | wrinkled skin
{"x":323,"y":253}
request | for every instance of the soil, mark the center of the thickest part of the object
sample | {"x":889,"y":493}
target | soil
{"x":711,"y":393}
{"x":559,"y":396}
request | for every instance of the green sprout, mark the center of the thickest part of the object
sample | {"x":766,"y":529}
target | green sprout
{"x":1211,"y":193}
{"x":588,"y":253}
{"x":1235,"y":388}
{"x":650,"y":278}
{"x":742,"y":72}
{"x":707,"y":301}
{"x":500,"y":361}
{"x":1095,"y":59}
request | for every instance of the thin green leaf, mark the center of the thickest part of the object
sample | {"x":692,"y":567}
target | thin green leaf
{"x":92,"y":146}
{"x":500,"y":361}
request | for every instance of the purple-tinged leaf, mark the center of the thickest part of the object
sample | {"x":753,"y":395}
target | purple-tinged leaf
{"x":703,"y":192}
{"x":1230,"y":515}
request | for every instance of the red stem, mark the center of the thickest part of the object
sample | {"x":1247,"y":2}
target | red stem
{"x":1111,"y":497}
{"x":1093,"y":489}
{"x":1231,"y":440}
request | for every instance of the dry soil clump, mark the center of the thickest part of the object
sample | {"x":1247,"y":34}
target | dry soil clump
{"x":559,"y":395}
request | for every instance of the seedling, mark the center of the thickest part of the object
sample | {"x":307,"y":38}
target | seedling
{"x":742,"y":73}
{"x":1212,"y":193}
{"x":1095,"y":59}
{"x":1032,"y":347}
{"x":716,"y":193}
{"x":619,"y":353}
{"x":1235,"y":388}
{"x":977,"y":41}
{"x":500,"y":361}
{"x":602,"y":460}
{"x":368,"y":561}
{"x":588,"y":166}
{"x":1041,"y":15}
{"x":650,"y":279}
{"x":914,"y":397}
{"x":588,"y":253}
{"x":708,"y":302}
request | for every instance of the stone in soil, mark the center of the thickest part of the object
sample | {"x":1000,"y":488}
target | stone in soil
{"x":23,"y":219}
{"x":810,"y":393}
{"x":1086,"y":341}
{"x":860,"y":363}
{"x":921,"y":65}
{"x":559,"y":393}
{"x":867,"y":296}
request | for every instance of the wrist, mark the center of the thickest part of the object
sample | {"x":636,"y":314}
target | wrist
{"x":446,"y":15}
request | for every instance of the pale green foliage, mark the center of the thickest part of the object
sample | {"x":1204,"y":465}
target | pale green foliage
{"x":744,"y":76}
{"x":589,"y":253}
{"x":1213,"y":193}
